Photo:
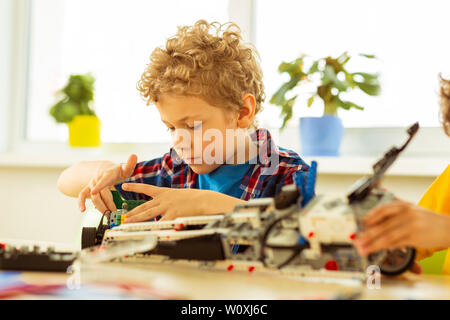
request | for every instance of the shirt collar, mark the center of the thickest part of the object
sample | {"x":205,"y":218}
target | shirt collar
{"x":268,"y":150}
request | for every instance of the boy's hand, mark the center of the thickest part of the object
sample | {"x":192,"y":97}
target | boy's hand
{"x":172,"y":203}
{"x":400,"y":224}
{"x":98,"y":188}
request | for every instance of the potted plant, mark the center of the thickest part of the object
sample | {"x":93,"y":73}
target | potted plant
{"x":74,"y":107}
{"x":329,"y":77}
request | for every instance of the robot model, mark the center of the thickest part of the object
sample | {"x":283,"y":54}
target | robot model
{"x":295,"y":232}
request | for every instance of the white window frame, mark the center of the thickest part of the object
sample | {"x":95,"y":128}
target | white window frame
{"x":16,"y":14}
{"x":5,"y":57}
{"x":7,"y":30}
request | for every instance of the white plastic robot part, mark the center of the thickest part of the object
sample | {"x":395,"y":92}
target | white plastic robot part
{"x":305,"y":272}
{"x":328,"y":221}
{"x":252,"y":217}
{"x":168,"y":235}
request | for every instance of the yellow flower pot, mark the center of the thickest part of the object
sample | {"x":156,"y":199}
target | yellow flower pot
{"x":84,"y":131}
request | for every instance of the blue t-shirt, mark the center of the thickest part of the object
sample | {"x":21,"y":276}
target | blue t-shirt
{"x":225,"y":179}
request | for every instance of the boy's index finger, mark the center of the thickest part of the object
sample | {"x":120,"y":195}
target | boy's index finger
{"x":82,"y":198}
{"x":104,"y":182}
{"x":147,"y":189}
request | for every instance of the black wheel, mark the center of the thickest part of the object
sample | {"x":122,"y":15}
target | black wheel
{"x":397,"y":261}
{"x":88,"y":237}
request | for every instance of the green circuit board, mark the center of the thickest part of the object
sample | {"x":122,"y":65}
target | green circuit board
{"x":130,"y":204}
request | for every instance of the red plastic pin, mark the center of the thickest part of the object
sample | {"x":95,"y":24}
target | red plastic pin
{"x":331,"y":265}
{"x":311,"y":234}
{"x":352,"y":236}
{"x":251,"y":268}
{"x":230,"y":267}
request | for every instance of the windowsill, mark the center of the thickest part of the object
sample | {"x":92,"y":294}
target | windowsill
{"x":344,"y":165}
{"x":404,"y":166}
{"x":58,"y":155}
{"x":427,"y":156}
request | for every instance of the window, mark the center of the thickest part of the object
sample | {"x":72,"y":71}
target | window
{"x":408,"y":37}
{"x":113,"y":40}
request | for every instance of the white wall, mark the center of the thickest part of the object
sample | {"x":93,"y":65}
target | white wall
{"x":33,"y":209}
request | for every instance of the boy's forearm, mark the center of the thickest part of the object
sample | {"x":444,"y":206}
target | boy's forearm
{"x":75,"y":178}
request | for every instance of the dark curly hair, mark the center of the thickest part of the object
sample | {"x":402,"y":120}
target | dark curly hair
{"x":445,"y":103}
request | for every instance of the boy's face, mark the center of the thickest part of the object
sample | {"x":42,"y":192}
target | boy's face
{"x":197,"y":128}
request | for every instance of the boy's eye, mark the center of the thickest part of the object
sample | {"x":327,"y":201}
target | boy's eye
{"x":170,"y":129}
{"x":193,"y":127}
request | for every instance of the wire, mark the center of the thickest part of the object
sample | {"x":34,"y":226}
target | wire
{"x":289,"y":260}
{"x":101,"y":220}
{"x":100,"y":231}
{"x":298,"y":248}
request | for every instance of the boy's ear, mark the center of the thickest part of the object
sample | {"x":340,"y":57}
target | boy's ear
{"x":247,"y":112}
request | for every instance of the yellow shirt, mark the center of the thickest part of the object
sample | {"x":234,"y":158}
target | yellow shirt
{"x":437,"y":199}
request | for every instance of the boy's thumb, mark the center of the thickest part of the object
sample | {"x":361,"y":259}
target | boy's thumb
{"x":128,"y":168}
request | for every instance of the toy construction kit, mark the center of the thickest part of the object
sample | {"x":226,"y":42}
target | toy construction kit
{"x":295,"y":233}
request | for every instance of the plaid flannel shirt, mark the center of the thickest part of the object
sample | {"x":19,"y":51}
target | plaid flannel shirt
{"x":275,"y":167}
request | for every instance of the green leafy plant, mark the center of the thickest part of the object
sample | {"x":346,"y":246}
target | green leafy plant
{"x":74,"y":99}
{"x":334,"y":79}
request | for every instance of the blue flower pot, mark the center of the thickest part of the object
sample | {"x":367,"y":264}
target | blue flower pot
{"x":321,"y":136}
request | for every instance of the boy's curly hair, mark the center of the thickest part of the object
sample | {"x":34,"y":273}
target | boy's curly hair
{"x":217,"y":67}
{"x":445,"y":103}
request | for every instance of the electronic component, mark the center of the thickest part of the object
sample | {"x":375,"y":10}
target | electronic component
{"x":13,"y":258}
{"x":91,"y":236}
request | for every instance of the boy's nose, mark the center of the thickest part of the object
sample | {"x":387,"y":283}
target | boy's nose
{"x":181,"y":138}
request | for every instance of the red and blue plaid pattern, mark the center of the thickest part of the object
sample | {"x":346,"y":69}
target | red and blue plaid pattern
{"x":275,"y":167}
